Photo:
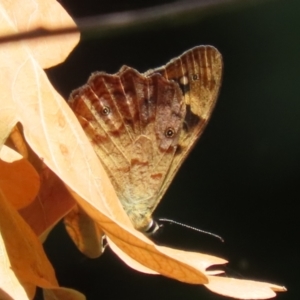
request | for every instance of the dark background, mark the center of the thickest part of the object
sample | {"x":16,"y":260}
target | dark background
{"x":242,"y":179}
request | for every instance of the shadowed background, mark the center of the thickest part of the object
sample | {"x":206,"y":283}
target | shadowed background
{"x":242,"y":179}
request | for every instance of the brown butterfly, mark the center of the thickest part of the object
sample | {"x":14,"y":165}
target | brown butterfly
{"x":142,"y":126}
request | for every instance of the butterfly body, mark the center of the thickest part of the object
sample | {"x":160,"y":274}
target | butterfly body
{"x":142,"y":126}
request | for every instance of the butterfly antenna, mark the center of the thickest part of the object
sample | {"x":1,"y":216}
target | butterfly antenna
{"x":193,"y":228}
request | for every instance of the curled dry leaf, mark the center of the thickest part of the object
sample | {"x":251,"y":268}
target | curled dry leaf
{"x":19,"y":181}
{"x":18,"y":142}
{"x":62,"y":294}
{"x":243,"y":289}
{"x":51,"y":204}
{"x":23,"y":263}
{"x":135,"y":244}
{"x":141,"y":254}
{"x":46,"y":51}
{"x":198,"y":260}
{"x":30,"y":265}
{"x":10,"y":283}
{"x":86,"y":235}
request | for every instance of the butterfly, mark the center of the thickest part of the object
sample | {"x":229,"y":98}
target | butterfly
{"x":143,"y":126}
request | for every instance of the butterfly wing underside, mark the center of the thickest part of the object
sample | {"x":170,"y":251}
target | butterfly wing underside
{"x":133,"y":123}
{"x":198,"y":72}
{"x":142,"y":126}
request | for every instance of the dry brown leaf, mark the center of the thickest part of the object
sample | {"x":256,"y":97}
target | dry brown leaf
{"x":62,"y":294}
{"x":51,"y":204}
{"x":40,"y":14}
{"x":140,"y":248}
{"x":30,"y":265}
{"x":87,"y":236}
{"x":132,"y":263}
{"x":23,"y":263}
{"x":7,"y":119}
{"x":18,"y":142}
{"x":243,"y":289}
{"x":10,"y":287}
{"x":19,"y":181}
{"x":180,"y":265}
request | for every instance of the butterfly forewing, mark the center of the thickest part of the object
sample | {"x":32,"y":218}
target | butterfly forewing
{"x":198,"y":72}
{"x":142,"y":126}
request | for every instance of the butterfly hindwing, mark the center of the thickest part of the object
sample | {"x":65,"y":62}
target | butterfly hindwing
{"x":133,"y":123}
